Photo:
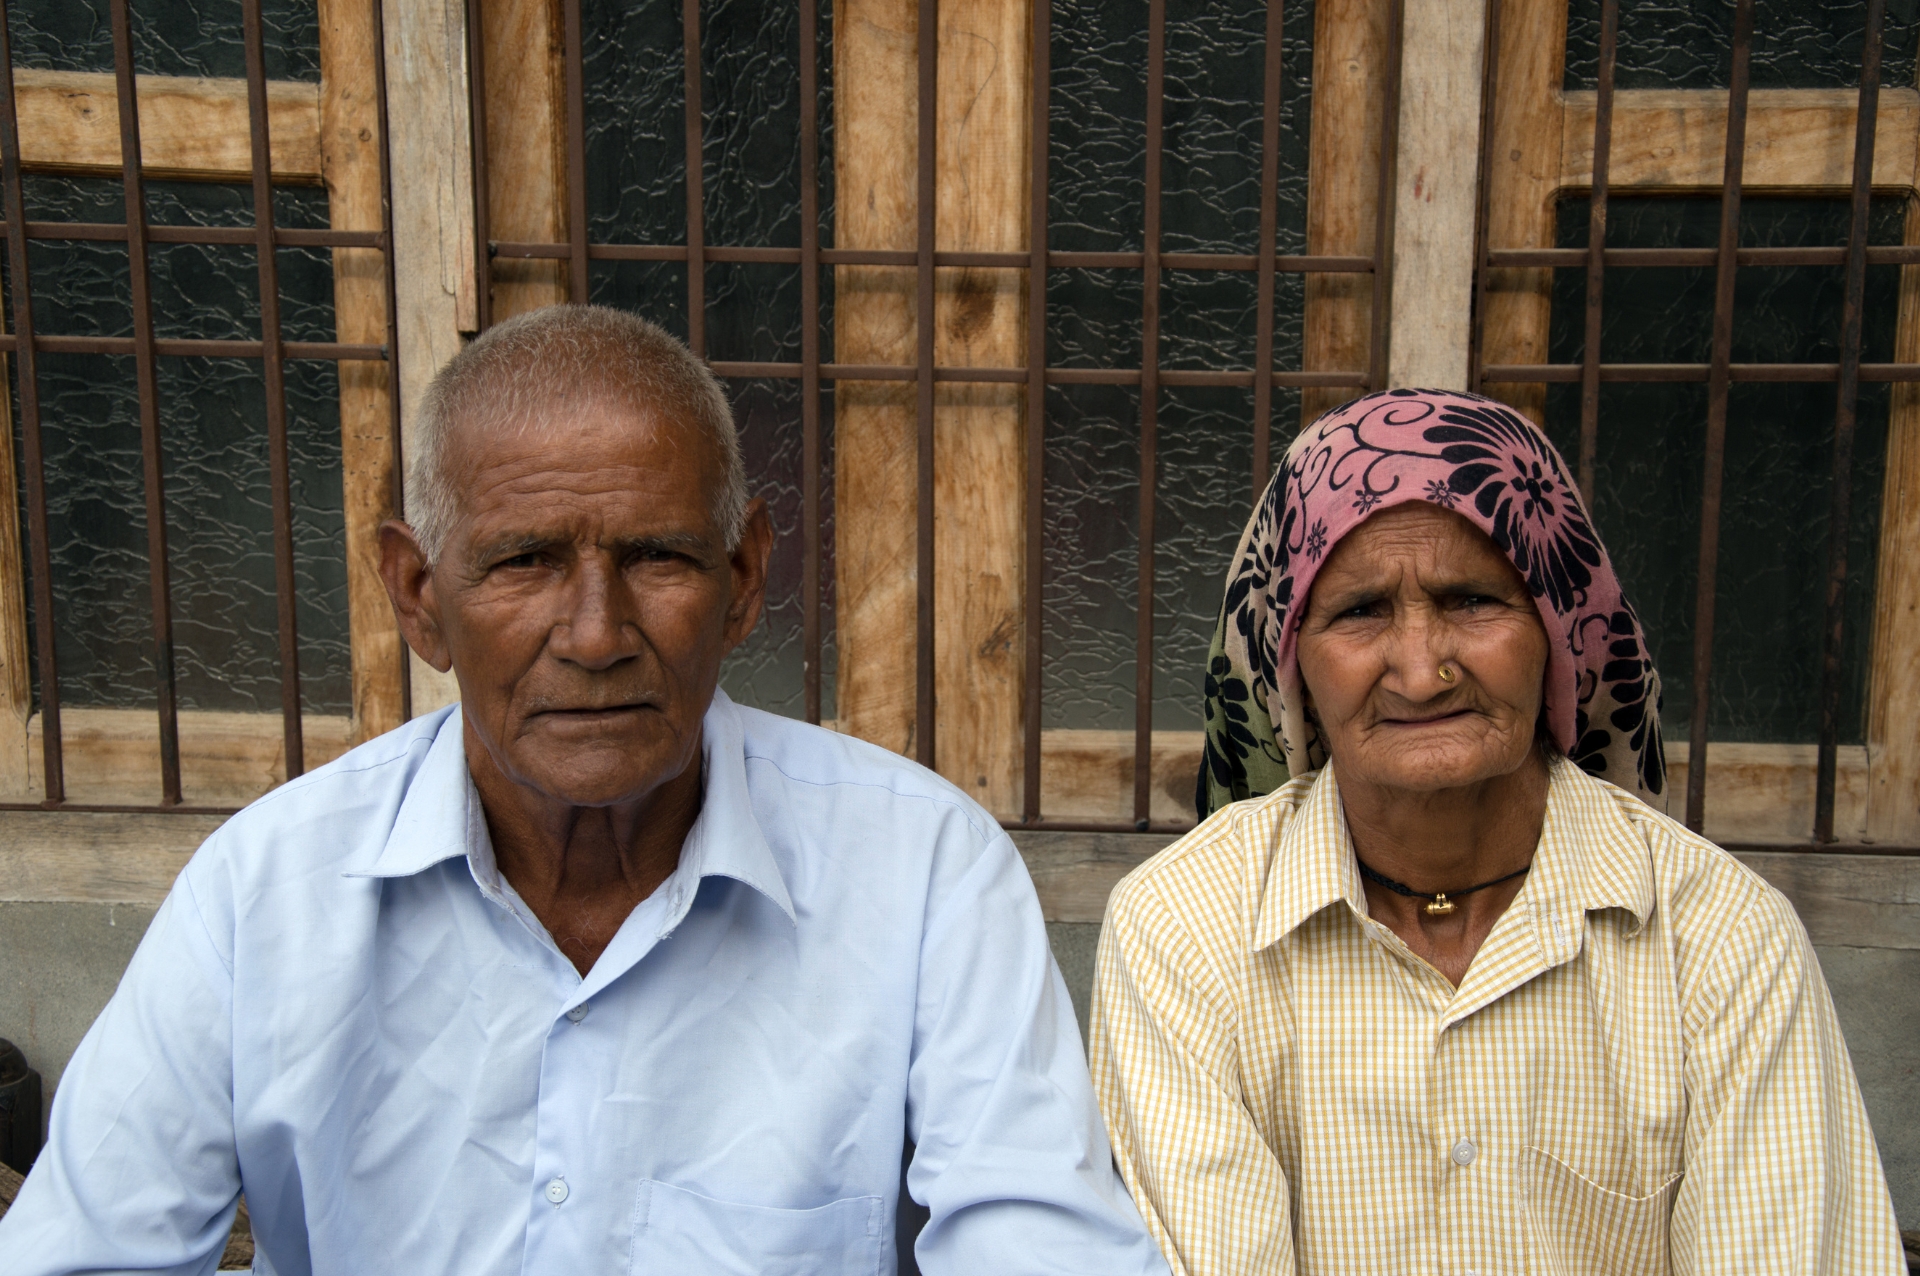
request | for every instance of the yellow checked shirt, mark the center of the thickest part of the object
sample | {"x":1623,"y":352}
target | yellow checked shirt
{"x":1640,"y":1073}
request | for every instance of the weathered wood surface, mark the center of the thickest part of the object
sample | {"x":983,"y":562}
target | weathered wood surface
{"x":1437,"y":192}
{"x":226,"y":759}
{"x":526,"y":148}
{"x":1677,"y":138}
{"x":192,"y":127}
{"x":430,"y":145}
{"x":1350,"y":73}
{"x":350,"y":163}
{"x":1088,"y":775}
{"x":982,"y":174}
{"x":50,"y":856}
{"x":875,"y":113}
{"x":16,"y":693}
{"x":1075,"y":872}
{"x":1893,"y":696}
{"x":1524,"y":173}
{"x":981,"y":180}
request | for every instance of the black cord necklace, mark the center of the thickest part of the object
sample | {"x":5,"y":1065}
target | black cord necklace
{"x":1439,"y":903}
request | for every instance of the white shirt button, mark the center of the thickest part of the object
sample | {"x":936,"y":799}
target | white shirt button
{"x":578,"y":1013}
{"x":556,"y":1190}
{"x":1464,"y":1152}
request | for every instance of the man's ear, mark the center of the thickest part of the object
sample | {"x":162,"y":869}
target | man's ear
{"x":409,"y":580}
{"x":748,"y":562}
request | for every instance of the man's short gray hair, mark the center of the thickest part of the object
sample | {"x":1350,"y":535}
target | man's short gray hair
{"x":509,"y":377}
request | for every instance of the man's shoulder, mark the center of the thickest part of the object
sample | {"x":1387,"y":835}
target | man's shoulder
{"x":335,"y":811}
{"x":854,"y":775}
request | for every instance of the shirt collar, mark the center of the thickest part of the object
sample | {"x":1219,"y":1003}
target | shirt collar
{"x":441,"y":818}
{"x":1590,"y":858}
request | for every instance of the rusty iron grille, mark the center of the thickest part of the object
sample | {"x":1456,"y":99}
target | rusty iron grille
{"x":926,"y":258}
{"x":1719,"y":372}
{"x":25,"y":344}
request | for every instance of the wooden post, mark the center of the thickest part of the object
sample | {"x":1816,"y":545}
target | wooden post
{"x":350,"y":162}
{"x":1525,"y":177}
{"x":1436,"y":192}
{"x":16,"y":688}
{"x":981,"y":175}
{"x":526,"y":148}
{"x":429,"y":144}
{"x":1349,"y":87}
{"x":1893,"y":742}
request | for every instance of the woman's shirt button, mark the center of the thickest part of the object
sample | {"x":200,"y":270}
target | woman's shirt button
{"x":1464,"y":1152}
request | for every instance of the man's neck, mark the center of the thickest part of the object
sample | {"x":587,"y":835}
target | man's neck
{"x":583,"y":869}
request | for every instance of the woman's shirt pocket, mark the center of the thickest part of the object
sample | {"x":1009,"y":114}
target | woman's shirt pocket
{"x":1575,"y":1227}
{"x":680,"y":1233}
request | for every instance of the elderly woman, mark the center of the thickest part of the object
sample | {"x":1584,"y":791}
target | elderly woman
{"x":1453,"y":998}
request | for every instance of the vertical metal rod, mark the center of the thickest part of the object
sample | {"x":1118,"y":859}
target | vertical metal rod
{"x":1483,"y":206}
{"x":396,"y":476}
{"x":576,"y":158}
{"x":1264,"y":257}
{"x":923,"y":648}
{"x":477,"y":133}
{"x":1149,"y":417}
{"x":1597,"y":251}
{"x":1384,"y":199}
{"x":26,"y":368}
{"x":1840,"y":519}
{"x":1707,"y":585}
{"x":1036,"y":575}
{"x":696,"y":198}
{"x":274,"y":371}
{"x":144,"y":373}
{"x":810,"y":530}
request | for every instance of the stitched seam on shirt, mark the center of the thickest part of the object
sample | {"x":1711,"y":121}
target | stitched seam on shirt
{"x":193,"y":899}
{"x":978,"y":831}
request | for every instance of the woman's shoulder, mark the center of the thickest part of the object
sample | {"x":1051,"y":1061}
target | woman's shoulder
{"x":1215,"y":872}
{"x":1703,"y":893}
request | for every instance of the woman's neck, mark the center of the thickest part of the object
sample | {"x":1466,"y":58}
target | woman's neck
{"x":1445,"y":841}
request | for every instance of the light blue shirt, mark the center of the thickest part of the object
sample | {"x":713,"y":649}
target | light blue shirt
{"x":344,"y":1008}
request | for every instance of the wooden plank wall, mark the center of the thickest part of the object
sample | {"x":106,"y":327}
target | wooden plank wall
{"x":981,"y":178}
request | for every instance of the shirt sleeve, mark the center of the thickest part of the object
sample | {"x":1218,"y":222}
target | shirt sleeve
{"x":139,"y":1172}
{"x":1010,"y":1158}
{"x":1781,"y":1170}
{"x":1165,"y":1064}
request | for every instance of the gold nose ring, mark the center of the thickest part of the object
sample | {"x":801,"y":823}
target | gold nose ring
{"x":1446,"y":674}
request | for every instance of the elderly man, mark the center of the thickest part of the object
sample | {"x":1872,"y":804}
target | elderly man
{"x":598,"y":971}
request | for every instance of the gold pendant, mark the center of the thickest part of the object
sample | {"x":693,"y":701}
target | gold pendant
{"x":1440,"y":906}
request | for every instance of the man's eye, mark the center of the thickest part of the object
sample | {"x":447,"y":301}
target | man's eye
{"x":528,"y":559}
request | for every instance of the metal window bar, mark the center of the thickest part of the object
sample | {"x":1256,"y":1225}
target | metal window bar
{"x":25,"y":344}
{"x":1720,"y":372}
{"x":926,"y":259}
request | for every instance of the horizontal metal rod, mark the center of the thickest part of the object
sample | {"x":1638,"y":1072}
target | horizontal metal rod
{"x":283,"y":237}
{"x":1055,"y":376}
{"x":906,"y":257}
{"x":120,"y":808}
{"x":1663,"y":372}
{"x":192,"y":349}
{"x":1570,"y":258}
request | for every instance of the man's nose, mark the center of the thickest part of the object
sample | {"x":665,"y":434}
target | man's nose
{"x":601,"y":627}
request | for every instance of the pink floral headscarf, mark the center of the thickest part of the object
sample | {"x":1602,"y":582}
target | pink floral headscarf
{"x":1480,"y":459}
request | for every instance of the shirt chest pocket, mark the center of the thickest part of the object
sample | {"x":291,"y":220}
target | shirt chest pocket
{"x":682,"y":1233}
{"x":1575,"y":1227}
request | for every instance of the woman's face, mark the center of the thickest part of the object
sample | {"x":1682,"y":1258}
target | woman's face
{"x":1412,"y":589}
